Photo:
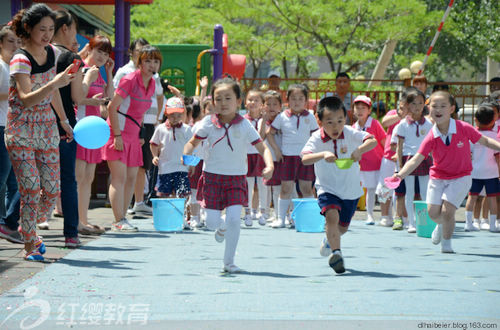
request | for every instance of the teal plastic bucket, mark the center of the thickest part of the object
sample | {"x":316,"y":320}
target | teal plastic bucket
{"x":307,"y":216}
{"x":425,"y":226}
{"x":168,"y":214}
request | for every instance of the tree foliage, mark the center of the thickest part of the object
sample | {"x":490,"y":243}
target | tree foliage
{"x":349,"y":34}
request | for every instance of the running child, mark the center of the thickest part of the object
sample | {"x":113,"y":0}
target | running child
{"x":296,"y":125}
{"x":223,"y":183}
{"x":338,"y":189}
{"x":484,"y":169}
{"x":254,"y":103}
{"x":370,"y":163}
{"x":450,"y":174}
{"x":410,"y":133}
{"x":272,"y":108}
{"x":166,"y":145}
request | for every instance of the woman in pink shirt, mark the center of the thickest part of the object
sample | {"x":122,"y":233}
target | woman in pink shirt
{"x":450,"y":174}
{"x":93,"y":105}
{"x":123,"y":151}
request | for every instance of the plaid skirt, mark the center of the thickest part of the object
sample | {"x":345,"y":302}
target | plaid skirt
{"x":195,"y":177}
{"x":216,"y":191}
{"x":292,"y":169}
{"x":423,"y":168}
{"x":275,"y":180}
{"x":255,"y":165}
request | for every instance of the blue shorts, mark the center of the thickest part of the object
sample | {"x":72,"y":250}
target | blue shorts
{"x":177,"y":183}
{"x":491,"y":185}
{"x":346,"y":207}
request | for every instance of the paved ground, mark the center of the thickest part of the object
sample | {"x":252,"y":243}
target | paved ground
{"x":151,"y":277}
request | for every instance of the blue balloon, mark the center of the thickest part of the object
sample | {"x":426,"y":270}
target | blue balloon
{"x":91,"y":132}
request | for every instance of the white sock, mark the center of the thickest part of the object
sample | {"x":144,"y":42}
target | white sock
{"x":137,"y":204}
{"x":250,"y":184}
{"x":493,"y":220}
{"x":468,"y":218}
{"x":263,"y":202}
{"x":275,"y":196}
{"x":446,"y":245}
{"x":283,"y":205}
{"x":370,"y":201}
{"x":405,"y":221}
{"x":476,"y":220}
{"x":232,"y":235}
{"x":213,"y":219}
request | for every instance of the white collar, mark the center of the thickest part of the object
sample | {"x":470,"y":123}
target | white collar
{"x":368,"y":123}
{"x":452,"y":129}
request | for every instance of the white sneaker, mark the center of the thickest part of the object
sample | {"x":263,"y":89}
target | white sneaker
{"x":232,"y":268}
{"x":195,"y":222}
{"x":470,"y":227}
{"x":43,"y":225}
{"x":219,"y":235}
{"x":123,"y":225}
{"x":262,"y":220}
{"x":140,"y":208}
{"x":254,"y":215}
{"x":278,"y":224}
{"x":248,"y":220}
{"x":476,"y":225}
{"x":437,"y":234}
{"x":494,"y":229}
{"x":287,"y":220}
{"x":412,"y":229}
{"x":324,"y":249}
{"x":484,"y":225}
{"x":385,"y":222}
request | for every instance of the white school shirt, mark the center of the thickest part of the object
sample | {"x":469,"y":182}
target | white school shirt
{"x":277,"y":137}
{"x":255,"y":123}
{"x":484,"y":163}
{"x":345,"y":184}
{"x":296,"y":130}
{"x":4,"y":89}
{"x":227,"y":154}
{"x":201,"y":149}
{"x":408,"y":130}
{"x":172,"y":141}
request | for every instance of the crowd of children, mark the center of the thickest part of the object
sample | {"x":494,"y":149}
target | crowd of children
{"x":275,"y":150}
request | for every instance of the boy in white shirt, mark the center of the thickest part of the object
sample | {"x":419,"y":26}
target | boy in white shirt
{"x":338,"y":189}
{"x":484,"y":169}
{"x":167,"y":145}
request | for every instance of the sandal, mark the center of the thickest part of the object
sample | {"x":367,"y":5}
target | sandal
{"x":90,"y":229}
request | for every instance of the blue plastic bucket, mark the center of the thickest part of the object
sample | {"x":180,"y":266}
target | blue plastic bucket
{"x":168,"y":214}
{"x":307,"y":217}
{"x":425,"y":226}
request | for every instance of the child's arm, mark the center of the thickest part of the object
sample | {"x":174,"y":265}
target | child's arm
{"x":390,"y":120}
{"x":410,"y":166}
{"x":190,"y":146}
{"x":267,"y":172}
{"x":274,"y":145}
{"x":399,"y":151}
{"x":490,"y":143}
{"x":155,"y":151}
{"x":309,"y":159}
{"x":367,"y":145}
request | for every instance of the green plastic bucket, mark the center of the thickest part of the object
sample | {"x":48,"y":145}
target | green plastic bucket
{"x":425,"y":226}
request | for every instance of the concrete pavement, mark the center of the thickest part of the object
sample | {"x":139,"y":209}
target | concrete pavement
{"x":149,"y":277}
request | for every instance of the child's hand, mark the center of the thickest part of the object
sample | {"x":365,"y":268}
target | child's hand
{"x":279,"y":155}
{"x":329,"y":156}
{"x":356,"y":155}
{"x":156,"y":160}
{"x":267,"y":172}
{"x":204,"y":82}
{"x":142,"y":142}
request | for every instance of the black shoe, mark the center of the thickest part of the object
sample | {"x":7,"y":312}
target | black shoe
{"x":337,"y":263}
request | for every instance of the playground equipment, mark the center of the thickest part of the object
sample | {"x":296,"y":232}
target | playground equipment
{"x":184,"y":65}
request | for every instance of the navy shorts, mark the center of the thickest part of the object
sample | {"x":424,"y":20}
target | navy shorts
{"x":491,"y":186}
{"x":346,"y":207}
{"x":177,"y":183}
